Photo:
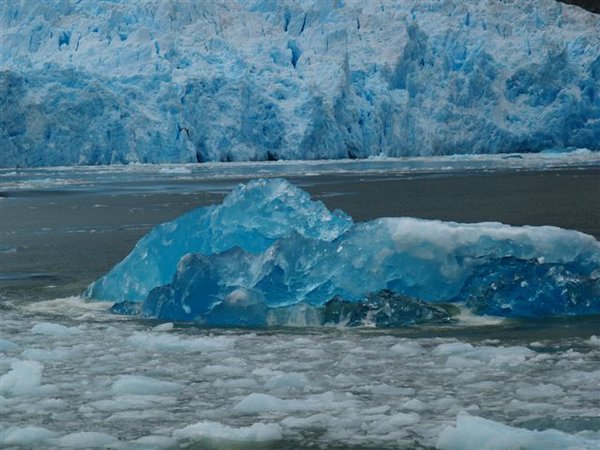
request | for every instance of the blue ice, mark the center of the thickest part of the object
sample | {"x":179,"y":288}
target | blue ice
{"x":118,"y":82}
{"x":241,"y":221}
{"x":269,"y":251}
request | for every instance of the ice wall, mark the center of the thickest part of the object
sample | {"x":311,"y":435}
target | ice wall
{"x":103,"y":82}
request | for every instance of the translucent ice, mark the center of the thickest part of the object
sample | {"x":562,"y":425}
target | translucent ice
{"x":252,"y":217}
{"x":269,"y":255}
{"x":109,"y":82}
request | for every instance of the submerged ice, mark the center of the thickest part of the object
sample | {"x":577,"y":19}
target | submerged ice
{"x":108,"y":82}
{"x":271,"y":255}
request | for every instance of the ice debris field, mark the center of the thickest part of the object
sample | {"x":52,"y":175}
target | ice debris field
{"x":108,"y":82}
{"x":269,"y":255}
{"x":75,"y":376}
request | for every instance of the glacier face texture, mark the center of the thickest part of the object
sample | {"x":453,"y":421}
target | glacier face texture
{"x":269,"y":255}
{"x":104,"y":82}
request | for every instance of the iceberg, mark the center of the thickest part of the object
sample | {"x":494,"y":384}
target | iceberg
{"x":252,"y":217}
{"x":115,"y":82}
{"x":269,"y":255}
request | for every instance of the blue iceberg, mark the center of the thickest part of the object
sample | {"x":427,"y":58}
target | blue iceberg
{"x":270,"y":255}
{"x":241,"y":221}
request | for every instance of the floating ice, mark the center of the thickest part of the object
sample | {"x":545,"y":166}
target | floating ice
{"x":99,"y":82}
{"x":141,"y":385}
{"x":28,"y":437}
{"x":175,"y":344}
{"x":257,"y":432}
{"x":24,"y":379}
{"x":7,"y":346}
{"x":477,"y":433}
{"x":241,"y":221}
{"x":287,"y":380}
{"x":54,"y":330}
{"x":156,"y":442}
{"x":86,"y":439}
{"x":257,"y":403}
{"x":268,"y":255}
{"x":55,"y":354}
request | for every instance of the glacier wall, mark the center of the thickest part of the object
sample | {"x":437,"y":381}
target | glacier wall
{"x":104,"y":82}
{"x":269,"y":253}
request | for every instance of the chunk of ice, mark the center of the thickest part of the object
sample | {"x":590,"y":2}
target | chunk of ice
{"x":54,"y":329}
{"x":28,"y":437}
{"x":24,"y":379}
{"x":257,"y":432}
{"x":142,"y":385}
{"x":477,"y":433}
{"x":252,"y":217}
{"x":269,"y":255}
{"x":86,"y":439}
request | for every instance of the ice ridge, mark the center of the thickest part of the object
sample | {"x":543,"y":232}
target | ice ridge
{"x":109,"y":82}
{"x":270,"y":255}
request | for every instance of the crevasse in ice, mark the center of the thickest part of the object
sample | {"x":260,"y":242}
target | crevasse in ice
{"x":270,"y":255}
{"x":105,"y":82}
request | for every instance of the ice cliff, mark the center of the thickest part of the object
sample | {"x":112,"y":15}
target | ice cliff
{"x":270,"y":255}
{"x":103,"y":82}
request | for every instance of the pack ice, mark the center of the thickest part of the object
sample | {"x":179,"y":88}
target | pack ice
{"x":104,"y":82}
{"x":270,"y":255}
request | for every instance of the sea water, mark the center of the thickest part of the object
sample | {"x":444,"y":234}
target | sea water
{"x":75,"y":375}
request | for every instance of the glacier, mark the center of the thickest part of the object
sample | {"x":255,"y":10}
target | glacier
{"x":269,"y":255}
{"x":115,"y":82}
